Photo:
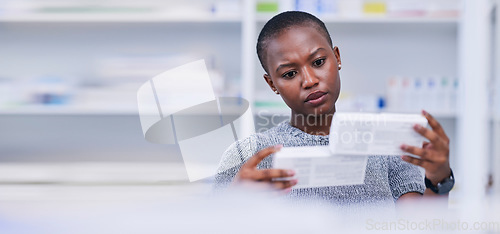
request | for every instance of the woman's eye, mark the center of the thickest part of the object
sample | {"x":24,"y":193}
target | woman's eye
{"x":290,"y":74}
{"x":319,"y":62}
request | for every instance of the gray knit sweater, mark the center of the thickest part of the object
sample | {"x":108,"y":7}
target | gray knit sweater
{"x":386,"y":179}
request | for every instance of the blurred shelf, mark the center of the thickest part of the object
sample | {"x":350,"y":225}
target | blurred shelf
{"x":207,"y":18}
{"x":439,"y":115}
{"x":67,"y":110}
{"x":111,"y":109}
{"x":267,"y":108}
{"x":285,"y":111}
{"x":92,"y":173}
{"x":117,"y":18}
{"x":268,"y":111}
{"x":265,"y":111}
{"x":97,"y":181}
{"x":261,"y":18}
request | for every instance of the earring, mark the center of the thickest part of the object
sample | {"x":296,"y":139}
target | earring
{"x":276,"y":91}
{"x":340,"y":66}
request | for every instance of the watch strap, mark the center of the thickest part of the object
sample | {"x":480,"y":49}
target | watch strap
{"x":442,"y":187}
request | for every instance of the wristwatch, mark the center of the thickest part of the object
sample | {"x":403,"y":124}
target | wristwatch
{"x":442,"y":187}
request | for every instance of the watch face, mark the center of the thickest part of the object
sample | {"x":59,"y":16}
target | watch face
{"x":443,"y":187}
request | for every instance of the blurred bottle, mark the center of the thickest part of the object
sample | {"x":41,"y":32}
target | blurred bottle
{"x":407,"y":95}
{"x":328,"y":7}
{"x":317,"y":7}
{"x":226,"y":8}
{"x":435,"y":94}
{"x":432,"y":103}
{"x":394,"y":94}
{"x":310,"y":6}
{"x":377,"y":7}
{"x":267,"y":6}
{"x":6,"y":95}
{"x":443,"y":8}
{"x":417,"y":92}
{"x":350,"y":8}
{"x":366,"y":103}
{"x":51,"y":90}
{"x":406,"y":8}
{"x":381,"y":104}
{"x":444,"y":95}
{"x":453,"y":96}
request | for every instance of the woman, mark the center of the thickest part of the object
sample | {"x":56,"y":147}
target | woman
{"x":302,"y":66}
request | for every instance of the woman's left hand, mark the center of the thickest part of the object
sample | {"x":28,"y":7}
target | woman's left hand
{"x":435,"y":154}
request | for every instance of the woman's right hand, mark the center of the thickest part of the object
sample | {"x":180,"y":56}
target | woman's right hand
{"x":249,"y":171}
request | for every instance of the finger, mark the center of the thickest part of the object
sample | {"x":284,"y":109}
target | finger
{"x":427,"y":133}
{"x":269,"y":174}
{"x":412,"y":160}
{"x":425,"y":144}
{"x":435,"y":125}
{"x":281,"y":192}
{"x":254,"y":185}
{"x":415,"y":150}
{"x":286,"y":191}
{"x":259,"y":156}
{"x":284,"y":184}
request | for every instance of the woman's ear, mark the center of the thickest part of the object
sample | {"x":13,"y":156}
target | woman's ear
{"x":336,"y":51}
{"x":270,"y":83}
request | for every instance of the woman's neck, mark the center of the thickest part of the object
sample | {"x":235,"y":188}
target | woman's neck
{"x":312,"y":124}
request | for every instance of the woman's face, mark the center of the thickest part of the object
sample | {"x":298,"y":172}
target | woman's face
{"x":303,"y":68}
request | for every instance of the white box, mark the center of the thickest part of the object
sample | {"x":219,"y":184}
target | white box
{"x":315,"y":166}
{"x":374,"y":134}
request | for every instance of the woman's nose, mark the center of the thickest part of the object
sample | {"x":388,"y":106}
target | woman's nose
{"x":309,"y":78}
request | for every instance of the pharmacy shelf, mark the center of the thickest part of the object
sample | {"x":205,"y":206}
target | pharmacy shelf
{"x":92,"y":173}
{"x":262,"y":18}
{"x":438,"y":115}
{"x":268,"y":111}
{"x":111,"y":109}
{"x":66,"y":110}
{"x":98,"y":181}
{"x":278,"y":109}
{"x":285,"y":111}
{"x":118,"y":18}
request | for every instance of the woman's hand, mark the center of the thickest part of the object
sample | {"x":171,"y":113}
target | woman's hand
{"x":249,"y":171}
{"x":434,"y":155}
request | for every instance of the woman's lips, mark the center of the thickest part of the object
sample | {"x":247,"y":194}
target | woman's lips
{"x":316,"y":98}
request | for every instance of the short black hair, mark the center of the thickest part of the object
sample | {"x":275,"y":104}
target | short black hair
{"x":281,"y":23}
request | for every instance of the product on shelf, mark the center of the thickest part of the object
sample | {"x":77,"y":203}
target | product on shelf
{"x":435,"y":94}
{"x":50,"y":90}
{"x":408,"y":8}
{"x":227,"y":7}
{"x":7,"y":91}
{"x":357,"y":8}
{"x":443,"y":8}
{"x":267,"y":6}
{"x":130,"y":69}
{"x":348,"y":102}
{"x":42,"y":90}
{"x":318,"y":7}
{"x":173,"y":9}
{"x":374,"y":7}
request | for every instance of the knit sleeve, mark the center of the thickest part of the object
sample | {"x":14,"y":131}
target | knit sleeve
{"x":232,"y":160}
{"x":404,"y":177}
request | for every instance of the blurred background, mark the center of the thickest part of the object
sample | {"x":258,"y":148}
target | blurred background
{"x":70,"y":70}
